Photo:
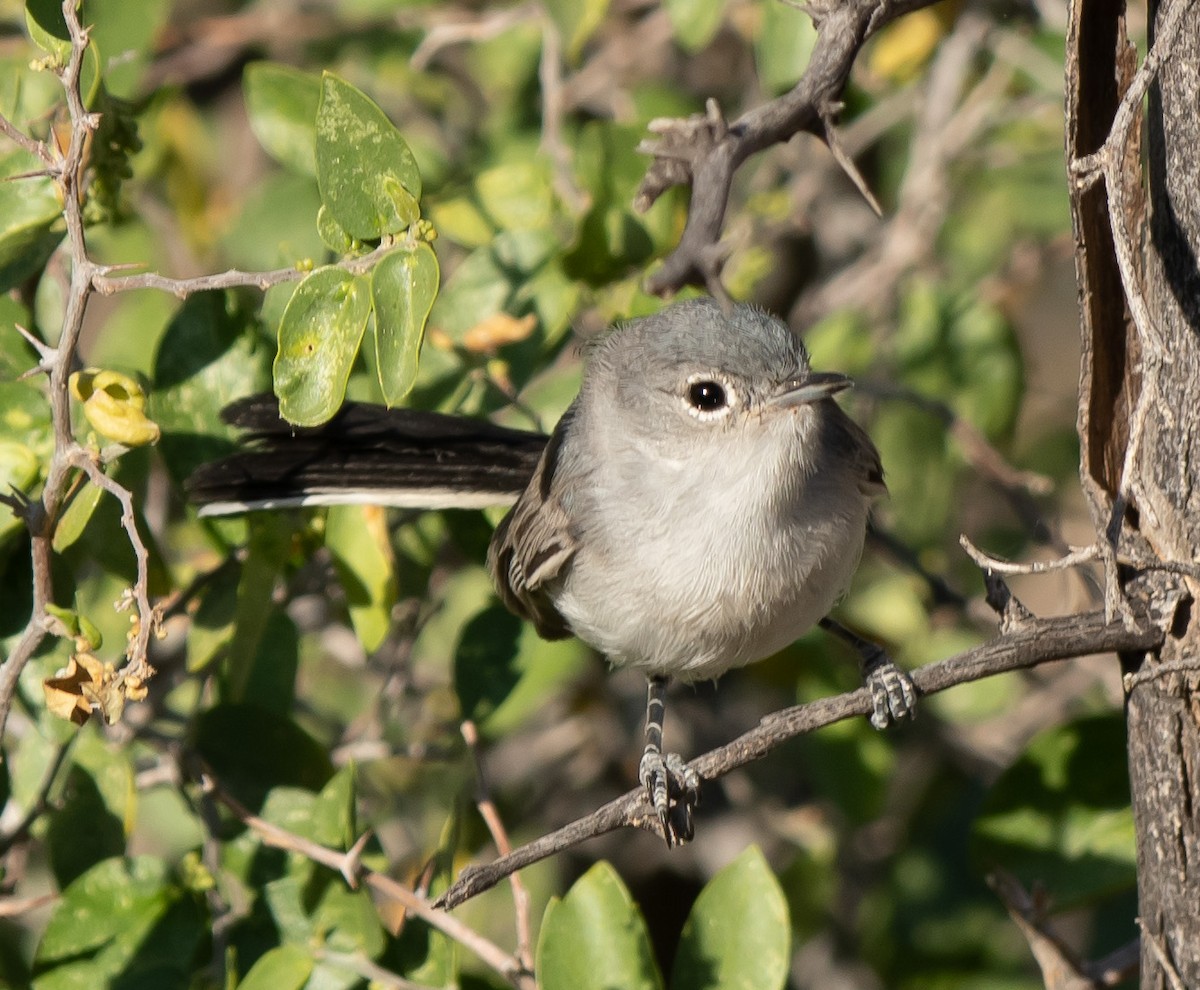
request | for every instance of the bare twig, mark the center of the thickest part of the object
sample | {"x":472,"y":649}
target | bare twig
{"x":349,"y":865}
{"x":104,"y":282}
{"x":481,"y":27}
{"x":1155,"y":942}
{"x":1036,"y":641}
{"x":40,"y":514}
{"x":1061,"y":969}
{"x":488,"y":812}
{"x":358,"y":963}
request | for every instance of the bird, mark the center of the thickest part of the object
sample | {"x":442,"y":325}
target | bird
{"x":700,"y":505}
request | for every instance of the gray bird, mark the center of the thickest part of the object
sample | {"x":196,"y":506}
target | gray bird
{"x":701,"y":504}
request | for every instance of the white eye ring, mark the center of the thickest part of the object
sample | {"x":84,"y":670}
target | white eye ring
{"x":708,"y":398}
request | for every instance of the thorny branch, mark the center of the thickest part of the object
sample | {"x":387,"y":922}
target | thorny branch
{"x":40,"y":514}
{"x":1026,"y":644}
{"x":349,"y":865}
{"x":704,"y":151}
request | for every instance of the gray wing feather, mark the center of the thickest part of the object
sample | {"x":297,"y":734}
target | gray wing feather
{"x":534,"y":543}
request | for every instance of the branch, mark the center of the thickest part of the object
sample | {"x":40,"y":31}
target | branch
{"x":349,"y":865}
{"x":1029,"y":644}
{"x":704,"y":151}
{"x":107,"y":284}
{"x":1061,"y":969}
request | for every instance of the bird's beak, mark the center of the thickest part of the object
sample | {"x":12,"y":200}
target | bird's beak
{"x":812,"y":386}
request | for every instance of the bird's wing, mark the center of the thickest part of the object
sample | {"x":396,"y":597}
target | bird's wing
{"x":534,"y":543}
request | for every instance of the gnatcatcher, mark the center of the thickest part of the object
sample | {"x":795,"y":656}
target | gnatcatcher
{"x":701,"y":504}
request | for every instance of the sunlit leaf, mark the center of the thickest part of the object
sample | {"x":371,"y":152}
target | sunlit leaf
{"x":596,"y":939}
{"x":115,"y":405}
{"x":319,"y":337}
{"x":357,"y":538}
{"x":1054,"y":820}
{"x":783,"y":44}
{"x":286,"y":967}
{"x":281,"y":103}
{"x":367,"y":175}
{"x":403,"y":288}
{"x":695,"y":21}
{"x":737,"y":936}
{"x":576,"y":20}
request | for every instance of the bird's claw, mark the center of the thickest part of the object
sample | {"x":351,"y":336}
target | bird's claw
{"x":674,"y":792}
{"x":893,"y":693}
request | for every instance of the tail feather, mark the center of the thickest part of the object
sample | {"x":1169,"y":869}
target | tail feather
{"x":365,"y":454}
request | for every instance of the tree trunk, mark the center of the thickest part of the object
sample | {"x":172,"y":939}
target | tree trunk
{"x":1140,"y":432}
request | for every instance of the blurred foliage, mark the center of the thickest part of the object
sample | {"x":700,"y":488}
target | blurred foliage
{"x":320,"y":665}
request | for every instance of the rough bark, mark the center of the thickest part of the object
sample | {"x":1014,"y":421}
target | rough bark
{"x":1164,"y":712}
{"x":1139,"y":429}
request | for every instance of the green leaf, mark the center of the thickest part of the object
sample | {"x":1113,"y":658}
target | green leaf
{"x":783,"y":45}
{"x":367,"y":175}
{"x":332,"y":818}
{"x":107,"y":914}
{"x":319,"y":337}
{"x":695,"y":21}
{"x":596,"y":939}
{"x":48,"y":28}
{"x":82,"y":831}
{"x":29,"y":218}
{"x":738,"y":936}
{"x":332,"y":234}
{"x":357,"y":537}
{"x":576,"y":20}
{"x":517,"y":195}
{"x":282,"y":104}
{"x":253,"y":749}
{"x":477,"y":289}
{"x":125,"y":31}
{"x":404,"y":286}
{"x":210,"y":354}
{"x":20,"y":470}
{"x":286,"y":967}
{"x":485,"y":663}
{"x":74,"y":518}
{"x":1060,"y":817}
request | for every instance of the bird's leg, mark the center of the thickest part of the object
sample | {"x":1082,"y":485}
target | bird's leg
{"x":893,"y":693}
{"x":673,"y":788}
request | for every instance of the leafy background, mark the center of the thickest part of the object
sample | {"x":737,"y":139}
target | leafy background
{"x":321,"y":665}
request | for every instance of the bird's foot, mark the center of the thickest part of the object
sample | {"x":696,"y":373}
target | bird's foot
{"x":893,"y":693}
{"x":674,"y":791}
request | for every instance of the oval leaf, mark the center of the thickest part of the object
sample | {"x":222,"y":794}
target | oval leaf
{"x":738,"y":936}
{"x":357,"y":538}
{"x":367,"y":175}
{"x":595,"y":938}
{"x":319,"y":337}
{"x":286,"y":967}
{"x":403,"y":288}
{"x":1051,"y":820}
{"x":282,"y":103}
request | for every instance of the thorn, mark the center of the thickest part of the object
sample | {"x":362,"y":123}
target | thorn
{"x":833,"y":142}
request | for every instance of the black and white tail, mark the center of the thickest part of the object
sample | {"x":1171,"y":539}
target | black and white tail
{"x":366,"y":454}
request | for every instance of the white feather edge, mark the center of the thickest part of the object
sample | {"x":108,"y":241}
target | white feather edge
{"x":427,"y":498}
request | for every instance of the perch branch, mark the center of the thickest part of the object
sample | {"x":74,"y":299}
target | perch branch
{"x":1034,"y":642}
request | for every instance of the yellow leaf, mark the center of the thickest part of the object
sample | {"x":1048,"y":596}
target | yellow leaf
{"x":498,"y":330}
{"x":66,"y":691}
{"x":115,"y":406}
{"x":903,"y":48}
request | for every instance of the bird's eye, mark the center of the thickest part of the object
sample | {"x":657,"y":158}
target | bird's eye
{"x":707,"y":396}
